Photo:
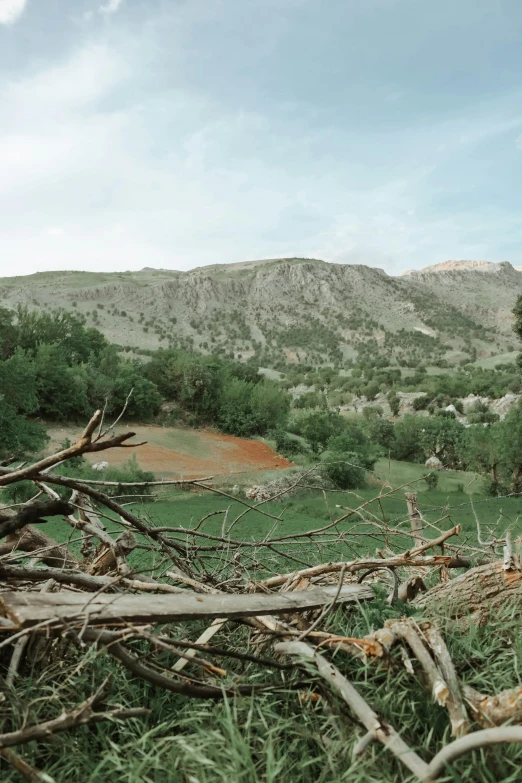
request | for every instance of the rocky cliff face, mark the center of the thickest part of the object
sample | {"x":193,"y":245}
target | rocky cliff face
{"x":301,"y":306}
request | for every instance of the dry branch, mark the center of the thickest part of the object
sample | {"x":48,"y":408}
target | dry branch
{"x":84,"y":446}
{"x":27,"y":609}
{"x":33,"y":514}
{"x":82,"y":714}
{"x":378,"y":729}
{"x":41,"y":546}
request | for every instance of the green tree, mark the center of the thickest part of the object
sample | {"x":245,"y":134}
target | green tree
{"x":62,"y":390}
{"x":18,"y":435}
{"x":319,"y":426}
{"x":394,"y":402}
{"x":344,"y":469}
{"x":235,"y":413}
{"x":407,"y":442}
{"x":145,"y":400}
{"x":269,"y":405}
{"x":7,"y":333}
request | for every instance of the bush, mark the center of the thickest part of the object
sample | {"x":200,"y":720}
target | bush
{"x":432,"y":480}
{"x":421,"y":403}
{"x":344,"y":470}
{"x":394,"y":403}
{"x":286,"y":445}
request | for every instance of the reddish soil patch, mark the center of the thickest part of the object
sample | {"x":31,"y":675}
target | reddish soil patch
{"x":224,"y":455}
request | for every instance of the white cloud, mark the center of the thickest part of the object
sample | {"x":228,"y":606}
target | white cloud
{"x":111,"y":7}
{"x":93,"y":179}
{"x":81,"y":80}
{"x":10,"y":10}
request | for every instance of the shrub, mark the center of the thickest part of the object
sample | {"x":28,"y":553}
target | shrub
{"x":286,"y":445}
{"x":344,"y":470}
{"x":432,"y":480}
{"x":421,"y":403}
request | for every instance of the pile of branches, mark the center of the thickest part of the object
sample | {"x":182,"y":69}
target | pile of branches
{"x":279,"y":590}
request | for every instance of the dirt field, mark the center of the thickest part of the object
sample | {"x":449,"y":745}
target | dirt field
{"x":179,"y":453}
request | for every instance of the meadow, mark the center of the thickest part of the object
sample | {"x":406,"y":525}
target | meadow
{"x":458,"y":500}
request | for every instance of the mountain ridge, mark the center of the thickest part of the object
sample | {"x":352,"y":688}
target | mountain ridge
{"x":292,"y":309}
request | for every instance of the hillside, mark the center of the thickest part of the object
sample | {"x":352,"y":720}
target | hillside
{"x":291,"y":309}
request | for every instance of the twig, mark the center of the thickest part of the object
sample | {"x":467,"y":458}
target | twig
{"x":380,"y":730}
{"x":80,"y":715}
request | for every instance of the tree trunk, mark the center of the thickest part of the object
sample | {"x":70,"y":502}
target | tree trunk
{"x":475,"y":595}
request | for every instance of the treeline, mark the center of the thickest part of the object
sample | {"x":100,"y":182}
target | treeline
{"x":491,"y":448}
{"x":211,"y":389}
{"x":370,"y":378}
{"x":54,"y":367}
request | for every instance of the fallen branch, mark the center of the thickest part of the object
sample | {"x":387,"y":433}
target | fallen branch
{"x":475,"y":741}
{"x":33,"y":514}
{"x":79,"y":716}
{"x":356,"y":565}
{"x":28,"y":609}
{"x":84,"y":446}
{"x":377,"y":729}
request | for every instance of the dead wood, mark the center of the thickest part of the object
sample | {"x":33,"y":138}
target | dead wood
{"x":26,"y":771}
{"x":84,"y":713}
{"x":183,"y":688}
{"x":33,"y":514}
{"x":375,"y":726}
{"x":13,"y":574}
{"x":496,"y":710}
{"x":111,"y":557}
{"x":415,"y":518}
{"x":83,"y":446}
{"x":475,"y":741}
{"x":43,"y":547}
{"x":445,"y":693}
{"x":28,"y":609}
{"x":474,"y":595}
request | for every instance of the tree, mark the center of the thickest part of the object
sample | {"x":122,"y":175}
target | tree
{"x":394,"y":402}
{"x":478,"y":450}
{"x":18,"y":382}
{"x":269,"y":405}
{"x":407,"y":442}
{"x":7,"y":333}
{"x":480,"y":413}
{"x":381,"y":432}
{"x":439,"y":437}
{"x":319,"y":426}
{"x":62,"y":390}
{"x":145,"y":400}
{"x":18,"y":435}
{"x":344,"y":469}
{"x":235,"y":414}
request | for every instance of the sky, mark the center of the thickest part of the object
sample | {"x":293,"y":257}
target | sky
{"x":181,"y":133}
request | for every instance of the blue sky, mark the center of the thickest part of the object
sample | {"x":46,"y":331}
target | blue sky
{"x":180,"y":133}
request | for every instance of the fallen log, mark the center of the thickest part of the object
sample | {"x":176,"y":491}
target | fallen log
{"x":473,"y":596}
{"x":65,"y":608}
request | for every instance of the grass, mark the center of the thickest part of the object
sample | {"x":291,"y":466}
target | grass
{"x":306,"y":512}
{"x":284,"y":736}
{"x":501,"y":358}
{"x":279,"y":737}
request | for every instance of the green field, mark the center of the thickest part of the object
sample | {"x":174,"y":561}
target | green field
{"x":501,"y":358}
{"x":447,"y":506}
